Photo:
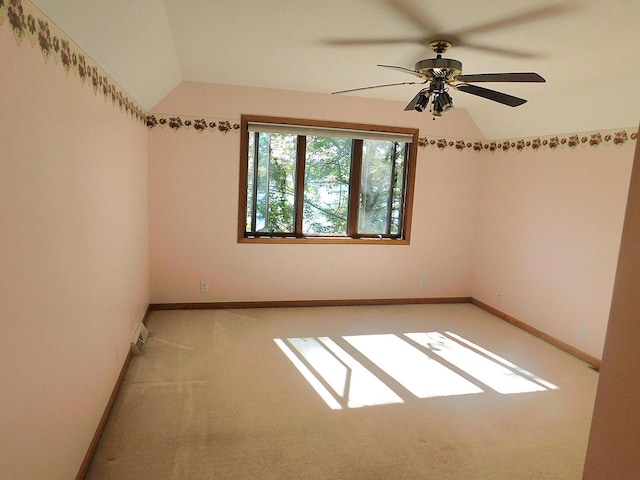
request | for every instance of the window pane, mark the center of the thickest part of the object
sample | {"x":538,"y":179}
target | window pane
{"x":271,"y":185}
{"x":250,"y":182}
{"x":381,"y":187}
{"x":326,"y":188}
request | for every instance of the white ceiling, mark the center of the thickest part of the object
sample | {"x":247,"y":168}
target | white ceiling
{"x":587,"y":50}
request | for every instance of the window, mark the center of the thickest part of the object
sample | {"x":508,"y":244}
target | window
{"x":323,"y":182}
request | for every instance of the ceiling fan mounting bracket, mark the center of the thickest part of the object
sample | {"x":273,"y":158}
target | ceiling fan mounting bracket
{"x":440,"y":46}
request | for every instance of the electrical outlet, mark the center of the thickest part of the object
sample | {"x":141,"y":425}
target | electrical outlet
{"x":423,"y":284}
{"x":204,"y":286}
{"x":582,"y":331}
{"x":500,"y":295}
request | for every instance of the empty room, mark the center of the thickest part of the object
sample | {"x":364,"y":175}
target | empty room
{"x":365,"y":239}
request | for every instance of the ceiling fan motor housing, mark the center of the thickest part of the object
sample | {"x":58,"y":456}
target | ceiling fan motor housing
{"x":439,"y":67}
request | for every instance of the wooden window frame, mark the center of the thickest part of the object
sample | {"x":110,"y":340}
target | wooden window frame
{"x":354,"y":185}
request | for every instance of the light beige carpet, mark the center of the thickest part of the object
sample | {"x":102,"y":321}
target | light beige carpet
{"x":214,"y":396}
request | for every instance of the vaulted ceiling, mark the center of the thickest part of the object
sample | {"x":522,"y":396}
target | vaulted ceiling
{"x":587,"y":50}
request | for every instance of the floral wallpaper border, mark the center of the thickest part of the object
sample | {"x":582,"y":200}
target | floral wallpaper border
{"x":27,"y":21}
{"x":552,"y":142}
{"x":592,"y":139}
{"x":199,"y":124}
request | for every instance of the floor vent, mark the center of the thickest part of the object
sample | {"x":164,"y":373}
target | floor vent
{"x":139,"y":339}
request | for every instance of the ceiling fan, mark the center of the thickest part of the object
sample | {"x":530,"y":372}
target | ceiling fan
{"x":439,"y":74}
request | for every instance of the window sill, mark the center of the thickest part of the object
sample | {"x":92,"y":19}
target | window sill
{"x":324,"y":240}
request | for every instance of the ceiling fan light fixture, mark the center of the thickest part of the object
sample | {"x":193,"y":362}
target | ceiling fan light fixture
{"x":442,"y":104}
{"x":422,"y":102}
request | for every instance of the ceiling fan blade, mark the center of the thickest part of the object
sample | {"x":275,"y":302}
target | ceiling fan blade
{"x":374,"y":41}
{"x":416,"y":15}
{"x":375,"y":86}
{"x":405,"y":70}
{"x":517,"y":19}
{"x":412,"y":12}
{"x":499,"y":97}
{"x":501,"y":77}
{"x":499,"y":50}
{"x":412,"y":104}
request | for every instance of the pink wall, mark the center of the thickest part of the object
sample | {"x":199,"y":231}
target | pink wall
{"x":73,"y":256}
{"x":193,"y":194}
{"x":614,"y":442}
{"x":549,"y":226}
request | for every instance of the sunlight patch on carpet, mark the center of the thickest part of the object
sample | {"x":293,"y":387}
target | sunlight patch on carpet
{"x":337,"y":377}
{"x":366,"y":370}
{"x":420,"y":374}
